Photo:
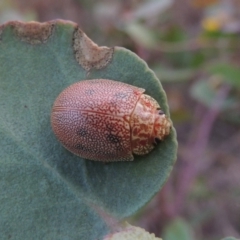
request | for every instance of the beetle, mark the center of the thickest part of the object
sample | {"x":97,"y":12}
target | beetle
{"x":107,"y":120}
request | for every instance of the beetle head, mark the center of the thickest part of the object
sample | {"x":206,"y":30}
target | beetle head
{"x":162,"y":125}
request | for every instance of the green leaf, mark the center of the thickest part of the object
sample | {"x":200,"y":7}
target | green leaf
{"x":46,"y":191}
{"x":141,"y":34}
{"x":206,"y":93}
{"x":151,"y":9}
{"x":229,"y":73}
{"x":230,"y":238}
{"x":178,"y":229}
{"x":174,"y":75}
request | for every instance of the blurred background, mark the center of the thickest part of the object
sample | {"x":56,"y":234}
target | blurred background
{"x":194,"y":48}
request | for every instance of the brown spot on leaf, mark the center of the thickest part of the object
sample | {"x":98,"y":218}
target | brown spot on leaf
{"x":30,"y":32}
{"x":88,"y":54}
{"x":34,"y":32}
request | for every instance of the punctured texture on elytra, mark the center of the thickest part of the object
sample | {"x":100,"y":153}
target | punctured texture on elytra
{"x":107,"y":120}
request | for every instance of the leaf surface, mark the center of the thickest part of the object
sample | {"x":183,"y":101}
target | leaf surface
{"x":46,"y":191}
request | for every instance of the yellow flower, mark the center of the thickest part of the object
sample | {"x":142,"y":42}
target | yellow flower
{"x":211,"y":24}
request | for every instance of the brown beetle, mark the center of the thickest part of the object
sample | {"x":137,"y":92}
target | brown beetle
{"x":107,"y":120}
